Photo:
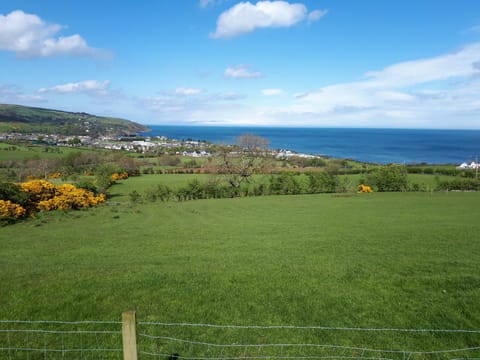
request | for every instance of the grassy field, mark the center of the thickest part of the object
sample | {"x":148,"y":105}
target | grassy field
{"x":391,"y":260}
{"x":23,"y":152}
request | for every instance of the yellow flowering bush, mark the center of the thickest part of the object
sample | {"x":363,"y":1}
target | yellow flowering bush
{"x":69,"y":197}
{"x":55,"y":175}
{"x":38,"y":190}
{"x":10,"y":211}
{"x":362,"y":188}
{"x":119,"y":176}
{"x":43,"y":195}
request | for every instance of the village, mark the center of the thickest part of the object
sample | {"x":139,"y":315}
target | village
{"x":154,"y":145}
{"x":131,"y":143}
{"x":148,"y":145}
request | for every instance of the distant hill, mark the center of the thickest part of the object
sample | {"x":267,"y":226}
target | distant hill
{"x":25,"y":119}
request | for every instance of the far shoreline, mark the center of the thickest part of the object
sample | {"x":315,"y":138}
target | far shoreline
{"x":370,"y":145}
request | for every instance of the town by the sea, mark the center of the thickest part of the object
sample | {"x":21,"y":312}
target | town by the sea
{"x":383,"y":146}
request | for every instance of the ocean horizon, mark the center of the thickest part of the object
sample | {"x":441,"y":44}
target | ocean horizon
{"x":383,"y":146}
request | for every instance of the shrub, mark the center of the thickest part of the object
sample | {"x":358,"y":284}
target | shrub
{"x":285,"y":184}
{"x":9,"y":211}
{"x":389,"y":178}
{"x":69,"y":197}
{"x":55,"y":175}
{"x":38,"y":195}
{"x":322,"y":182}
{"x":37,"y":190}
{"x":135,"y":197}
{"x":362,"y":188}
{"x":118,"y":176}
{"x":87,"y":185}
{"x":161,"y":191}
{"x":465,"y":184}
{"x":14,"y":193}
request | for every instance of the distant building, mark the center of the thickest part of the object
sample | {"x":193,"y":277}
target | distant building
{"x":472,"y":165}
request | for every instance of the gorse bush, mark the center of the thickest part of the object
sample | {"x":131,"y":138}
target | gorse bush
{"x":119,"y":176}
{"x":37,"y":191}
{"x":9,"y":211}
{"x":69,"y":197}
{"x":14,"y":193}
{"x":362,"y":188}
{"x":42,"y":195}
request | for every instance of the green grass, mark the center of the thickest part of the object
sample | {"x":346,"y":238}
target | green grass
{"x":143,"y":183}
{"x":24,"y":152}
{"x":391,"y":260}
{"x":32,"y":119}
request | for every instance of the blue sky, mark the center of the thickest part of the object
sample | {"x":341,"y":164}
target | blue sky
{"x":334,"y":63}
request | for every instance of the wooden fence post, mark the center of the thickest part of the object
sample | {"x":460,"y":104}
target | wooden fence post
{"x":129,"y":336}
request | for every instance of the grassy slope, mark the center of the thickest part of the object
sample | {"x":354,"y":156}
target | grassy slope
{"x":378,"y":260}
{"x":32,"y":119}
{"x":23,"y":152}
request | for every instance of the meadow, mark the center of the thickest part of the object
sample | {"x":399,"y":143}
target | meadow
{"x":381,"y":260}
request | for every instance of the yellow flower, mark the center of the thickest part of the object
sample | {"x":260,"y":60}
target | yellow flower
{"x":10,"y":210}
{"x":362,"y":188}
{"x":46,"y":196}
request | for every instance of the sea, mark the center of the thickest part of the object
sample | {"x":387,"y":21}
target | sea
{"x":382,"y":146}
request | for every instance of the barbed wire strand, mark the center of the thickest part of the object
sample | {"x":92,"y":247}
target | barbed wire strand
{"x":332,"y":357}
{"x":59,"y":331}
{"x":341,"y":347}
{"x":328,"y":328}
{"x":12,"y":349}
{"x":59,"y":322}
{"x":59,"y":350}
{"x":274,"y":357}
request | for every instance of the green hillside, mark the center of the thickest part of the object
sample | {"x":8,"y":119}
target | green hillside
{"x":24,"y":119}
{"x":377,"y":261}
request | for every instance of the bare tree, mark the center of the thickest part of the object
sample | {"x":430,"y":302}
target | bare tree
{"x":238,"y":164}
{"x":252,"y":144}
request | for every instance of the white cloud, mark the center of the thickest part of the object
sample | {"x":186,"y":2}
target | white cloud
{"x":203,"y":107}
{"x":229,"y":96}
{"x":396,"y":84}
{"x":241,"y":72}
{"x":27,"y":35}
{"x":272,"y":92}
{"x":205,"y":3}
{"x":316,"y":15}
{"x":462,"y":63}
{"x":12,"y":94}
{"x":90,"y":87}
{"x":245,"y":17}
{"x":436,"y":92}
{"x":440,"y":91}
{"x":185,"y":91}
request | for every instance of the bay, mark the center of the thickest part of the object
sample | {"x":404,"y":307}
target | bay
{"x":409,"y":146}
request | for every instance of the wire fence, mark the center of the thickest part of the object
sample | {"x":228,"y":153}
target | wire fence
{"x":215,"y":342}
{"x":60,"y":340}
{"x":186,"y":341}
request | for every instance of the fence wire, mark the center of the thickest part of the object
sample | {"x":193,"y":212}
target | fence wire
{"x":186,"y":341}
{"x":51,"y":340}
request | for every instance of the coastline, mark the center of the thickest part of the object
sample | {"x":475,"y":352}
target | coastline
{"x":383,"y":146}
